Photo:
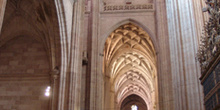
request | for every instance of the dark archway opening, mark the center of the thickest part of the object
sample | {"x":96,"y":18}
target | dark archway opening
{"x":133,"y":100}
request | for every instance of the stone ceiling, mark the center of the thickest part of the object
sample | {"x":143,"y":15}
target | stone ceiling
{"x":32,"y":18}
{"x":130,"y":62}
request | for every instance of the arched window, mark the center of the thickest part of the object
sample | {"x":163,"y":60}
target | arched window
{"x":134,"y":107}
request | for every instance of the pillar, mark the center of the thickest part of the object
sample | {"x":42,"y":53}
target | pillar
{"x":70,"y":14}
{"x":184,"y":24}
{"x":55,"y":87}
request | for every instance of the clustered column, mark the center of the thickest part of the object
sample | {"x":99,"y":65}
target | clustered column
{"x":184,"y":31}
{"x":55,"y":86}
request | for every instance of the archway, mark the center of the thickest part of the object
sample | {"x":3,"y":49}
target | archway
{"x":133,"y":102}
{"x":129,"y":66}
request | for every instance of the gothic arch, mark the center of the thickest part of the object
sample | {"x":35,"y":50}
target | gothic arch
{"x":133,"y":100}
{"x":135,"y":22}
{"x":130,"y":66}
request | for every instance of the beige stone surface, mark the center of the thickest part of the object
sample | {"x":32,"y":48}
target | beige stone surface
{"x":23,"y":55}
{"x":185,"y":27}
{"x":62,"y":43}
{"x":23,"y":95}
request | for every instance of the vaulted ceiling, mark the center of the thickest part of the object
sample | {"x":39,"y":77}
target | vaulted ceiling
{"x":130,"y":62}
{"x":32,"y":18}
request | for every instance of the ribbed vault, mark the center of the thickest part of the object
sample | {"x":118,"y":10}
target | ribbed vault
{"x":130,"y":63}
{"x":36,"y":19}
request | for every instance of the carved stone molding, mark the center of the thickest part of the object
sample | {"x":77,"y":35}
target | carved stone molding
{"x":129,"y":8}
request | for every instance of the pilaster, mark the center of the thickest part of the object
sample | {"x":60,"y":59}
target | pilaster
{"x":95,"y":95}
{"x":76,"y":56}
{"x":165,"y":98}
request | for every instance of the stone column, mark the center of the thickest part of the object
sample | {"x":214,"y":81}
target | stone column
{"x":76,"y":56}
{"x":184,"y":25}
{"x":70,"y":15}
{"x":164,"y":101}
{"x":2,"y":12}
{"x":64,"y":13}
{"x":96,"y":94}
{"x":108,"y":93}
{"x":54,"y":89}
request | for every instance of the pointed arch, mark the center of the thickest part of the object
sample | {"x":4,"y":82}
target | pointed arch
{"x":135,"y":22}
{"x":128,"y":50}
{"x":133,"y":100}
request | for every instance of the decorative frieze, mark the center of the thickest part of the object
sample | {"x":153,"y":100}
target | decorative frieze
{"x":140,"y":7}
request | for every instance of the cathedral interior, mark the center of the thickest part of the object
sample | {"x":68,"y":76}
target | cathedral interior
{"x":109,"y":54}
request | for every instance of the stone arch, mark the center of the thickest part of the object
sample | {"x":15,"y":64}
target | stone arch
{"x":129,"y":48}
{"x":129,"y":20}
{"x":133,"y":100}
{"x":63,"y":68}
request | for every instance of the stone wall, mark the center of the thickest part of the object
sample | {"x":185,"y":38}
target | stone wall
{"x":153,"y":21}
{"x":23,"y":94}
{"x":24,"y":75}
{"x":23,"y":55}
